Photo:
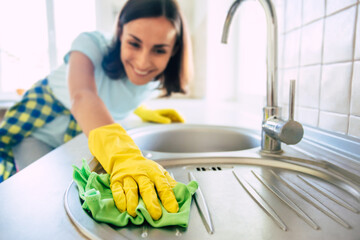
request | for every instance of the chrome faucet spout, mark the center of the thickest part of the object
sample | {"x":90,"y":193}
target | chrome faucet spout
{"x":274,"y":129}
{"x":272,"y":46}
{"x":228,"y":20}
{"x":272,"y":50}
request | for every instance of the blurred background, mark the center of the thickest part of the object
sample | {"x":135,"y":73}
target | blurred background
{"x":36,"y":36}
{"x":319,"y":46}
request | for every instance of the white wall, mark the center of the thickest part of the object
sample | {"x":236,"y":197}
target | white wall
{"x":322,"y":51}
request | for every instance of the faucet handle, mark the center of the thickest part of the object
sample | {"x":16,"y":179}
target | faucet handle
{"x":292,"y":100}
{"x":290,"y":131}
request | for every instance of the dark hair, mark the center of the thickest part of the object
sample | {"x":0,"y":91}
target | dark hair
{"x":179,"y":68}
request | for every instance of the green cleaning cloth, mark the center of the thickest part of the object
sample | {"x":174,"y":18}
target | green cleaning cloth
{"x":94,"y":190}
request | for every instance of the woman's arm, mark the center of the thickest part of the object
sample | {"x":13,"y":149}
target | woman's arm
{"x":130,"y":173}
{"x":86,"y":105}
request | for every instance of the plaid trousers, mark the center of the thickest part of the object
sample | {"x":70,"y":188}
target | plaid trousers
{"x":37,"y":107}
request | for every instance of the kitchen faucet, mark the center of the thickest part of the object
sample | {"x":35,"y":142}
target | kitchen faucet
{"x":274,"y":129}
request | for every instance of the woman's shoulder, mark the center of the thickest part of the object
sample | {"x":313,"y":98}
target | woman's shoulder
{"x":99,"y":38}
{"x":93,"y":44}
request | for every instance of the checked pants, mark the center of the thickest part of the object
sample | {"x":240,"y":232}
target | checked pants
{"x":37,"y":107}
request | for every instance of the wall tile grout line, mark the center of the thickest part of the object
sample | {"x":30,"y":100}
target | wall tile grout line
{"x":320,"y":18}
{"x":297,"y":97}
{"x":340,"y":10}
{"x":321,"y":64}
{"x":353,"y":66}
{"x":316,"y":64}
{"x":328,"y":63}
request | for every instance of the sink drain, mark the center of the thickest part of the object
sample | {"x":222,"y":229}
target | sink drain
{"x":203,"y":169}
{"x":208,"y":168}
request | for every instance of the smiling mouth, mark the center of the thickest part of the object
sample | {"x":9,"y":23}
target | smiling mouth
{"x":141,"y":73}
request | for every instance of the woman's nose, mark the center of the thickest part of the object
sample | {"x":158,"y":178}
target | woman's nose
{"x":143,"y":61}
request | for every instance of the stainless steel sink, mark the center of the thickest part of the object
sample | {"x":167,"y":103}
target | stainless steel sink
{"x":254,"y":197}
{"x":306,"y":192}
{"x":188,"y":138}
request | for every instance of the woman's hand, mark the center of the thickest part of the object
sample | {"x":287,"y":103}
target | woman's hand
{"x":131,"y":173}
{"x":143,"y":175}
{"x":164,"y":116}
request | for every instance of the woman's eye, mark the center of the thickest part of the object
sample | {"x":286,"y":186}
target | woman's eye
{"x":160,"y":51}
{"x":134,"y":44}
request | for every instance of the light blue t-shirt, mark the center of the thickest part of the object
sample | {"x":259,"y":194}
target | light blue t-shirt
{"x":120,"y":96}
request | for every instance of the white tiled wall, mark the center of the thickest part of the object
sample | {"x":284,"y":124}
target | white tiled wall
{"x":355,"y":93}
{"x":322,"y":51}
{"x":339,"y":36}
{"x":312,"y":10}
{"x":311,"y":43}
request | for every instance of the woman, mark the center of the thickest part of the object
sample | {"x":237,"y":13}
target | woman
{"x":102,"y":82}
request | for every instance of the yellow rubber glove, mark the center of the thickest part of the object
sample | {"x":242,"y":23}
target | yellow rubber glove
{"x":159,"y":116}
{"x":130,"y":172}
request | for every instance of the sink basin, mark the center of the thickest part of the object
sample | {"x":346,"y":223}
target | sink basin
{"x":189,"y":138}
{"x":243,"y":193}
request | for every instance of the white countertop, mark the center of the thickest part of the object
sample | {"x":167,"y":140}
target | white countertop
{"x":31,"y":203}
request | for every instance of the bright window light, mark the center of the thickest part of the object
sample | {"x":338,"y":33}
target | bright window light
{"x":23,"y":43}
{"x":252,"y":50}
{"x":71,"y":18}
{"x":25,"y":49}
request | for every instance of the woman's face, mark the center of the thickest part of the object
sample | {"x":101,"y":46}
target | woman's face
{"x":146,"y":47}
